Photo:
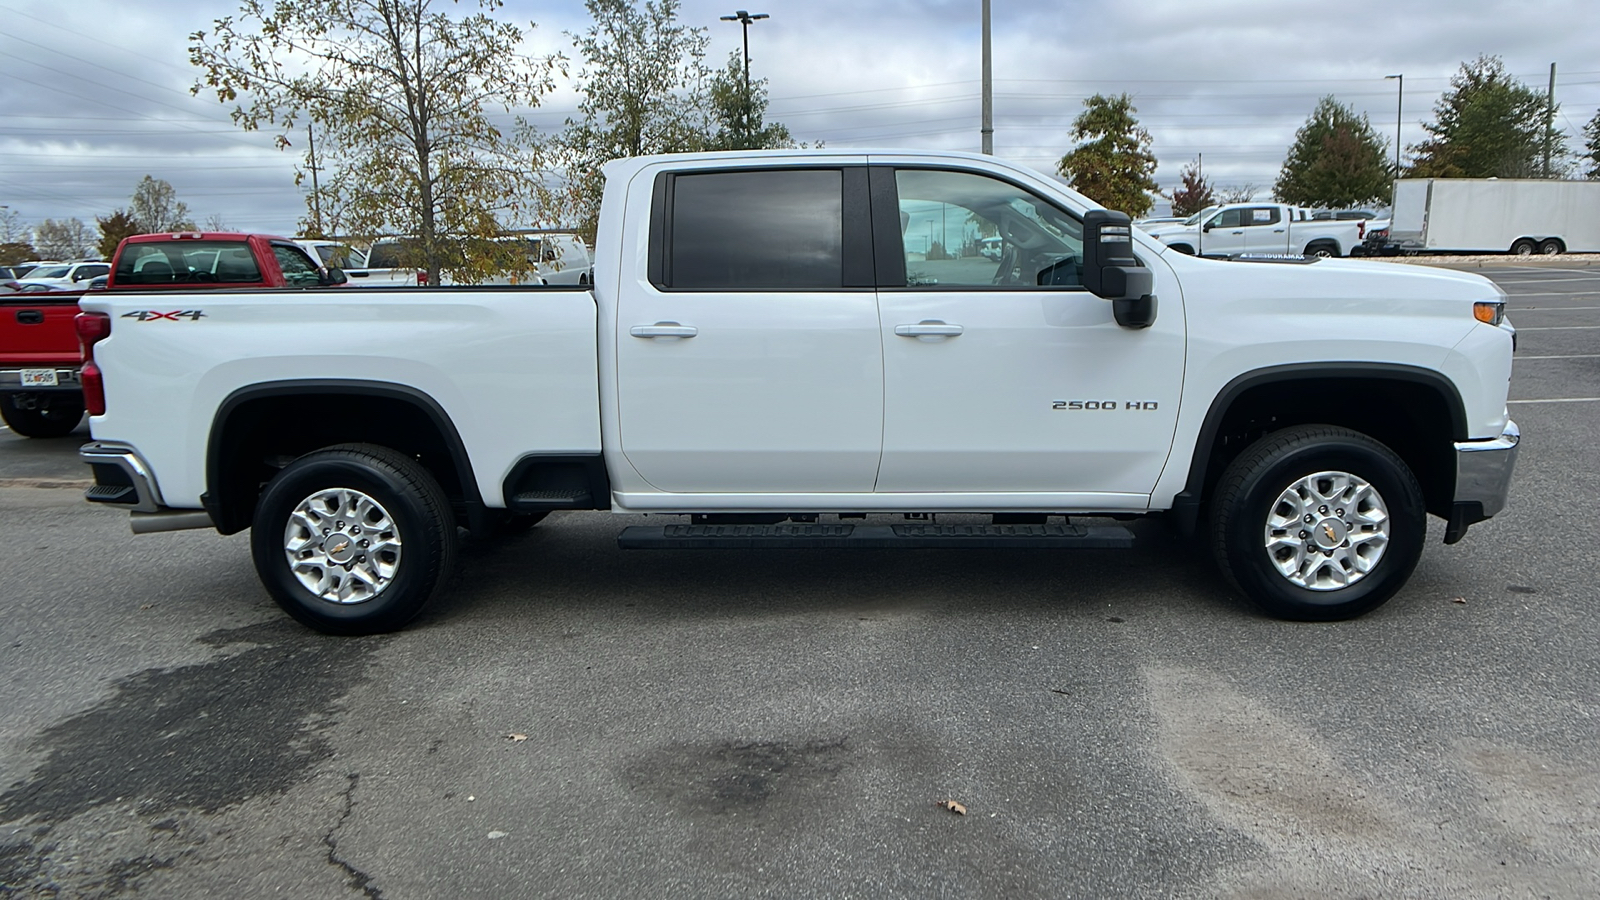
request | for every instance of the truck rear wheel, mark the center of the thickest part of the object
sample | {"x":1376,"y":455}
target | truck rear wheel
{"x":1318,"y":523}
{"x":1322,"y":250}
{"x":353,"y":539}
{"x":49,"y":415}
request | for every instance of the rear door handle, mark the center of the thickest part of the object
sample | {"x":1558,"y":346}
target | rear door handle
{"x":1277,"y":231}
{"x":664,"y":330}
{"x":30,"y":317}
{"x":928,"y":328}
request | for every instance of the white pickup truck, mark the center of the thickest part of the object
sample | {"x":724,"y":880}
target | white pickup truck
{"x":1264,"y":228}
{"x":779,"y":345}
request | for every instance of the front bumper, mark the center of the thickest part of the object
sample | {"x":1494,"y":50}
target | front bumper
{"x":1483,"y":479}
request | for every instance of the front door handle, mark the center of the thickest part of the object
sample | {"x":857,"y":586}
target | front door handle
{"x":1277,"y":231}
{"x":664,"y":330}
{"x":30,"y":317}
{"x":928,"y":328}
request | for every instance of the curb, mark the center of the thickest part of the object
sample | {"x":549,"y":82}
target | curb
{"x":1493,"y":262}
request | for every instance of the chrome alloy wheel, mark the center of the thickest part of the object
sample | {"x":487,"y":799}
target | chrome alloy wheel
{"x":1327,"y":531}
{"x":342,"y":545}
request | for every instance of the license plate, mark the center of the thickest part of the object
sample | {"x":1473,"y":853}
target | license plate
{"x":38,"y":377}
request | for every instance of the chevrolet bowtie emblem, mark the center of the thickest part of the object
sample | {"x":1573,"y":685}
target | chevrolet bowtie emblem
{"x":1328,"y":530}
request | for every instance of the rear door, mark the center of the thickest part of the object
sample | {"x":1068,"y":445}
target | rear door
{"x":748,"y":357}
{"x":1264,"y":229}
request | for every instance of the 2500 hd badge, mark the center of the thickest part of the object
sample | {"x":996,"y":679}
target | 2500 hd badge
{"x":1104,"y":404}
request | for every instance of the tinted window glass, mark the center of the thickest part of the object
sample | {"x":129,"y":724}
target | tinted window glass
{"x":298,"y":270}
{"x":759,"y":229}
{"x":175,"y":262}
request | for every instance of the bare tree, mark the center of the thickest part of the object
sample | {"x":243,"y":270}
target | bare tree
{"x":67,"y":239}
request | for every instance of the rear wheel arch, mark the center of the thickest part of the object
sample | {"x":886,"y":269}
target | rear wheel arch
{"x":259,"y":429}
{"x":1420,"y":419}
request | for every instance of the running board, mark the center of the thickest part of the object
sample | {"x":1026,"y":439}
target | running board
{"x":874,"y":537}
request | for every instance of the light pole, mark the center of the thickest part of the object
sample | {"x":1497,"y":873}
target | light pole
{"x":987,"y":129}
{"x":1399,"y":116}
{"x":744,"y":19}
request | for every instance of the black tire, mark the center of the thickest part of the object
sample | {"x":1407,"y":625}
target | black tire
{"x":1524,"y":247}
{"x":415,"y":505}
{"x":1551,"y":246}
{"x":1322,"y":250}
{"x":1251,"y":488}
{"x":55,"y":415}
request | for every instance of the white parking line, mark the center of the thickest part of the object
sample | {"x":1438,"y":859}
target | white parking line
{"x":1572,"y":356}
{"x":1561,"y":400}
{"x":1560,"y":328}
{"x":1539,"y":309}
{"x":1507,"y":281}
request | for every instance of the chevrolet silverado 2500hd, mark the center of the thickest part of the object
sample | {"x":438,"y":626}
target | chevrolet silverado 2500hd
{"x":779,"y":343}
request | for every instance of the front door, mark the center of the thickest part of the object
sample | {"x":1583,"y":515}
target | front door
{"x":1002,"y":374}
{"x":748,"y":361}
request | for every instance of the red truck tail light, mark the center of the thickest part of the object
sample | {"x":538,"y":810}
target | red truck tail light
{"x":93,"y":327}
{"x":422,"y":278}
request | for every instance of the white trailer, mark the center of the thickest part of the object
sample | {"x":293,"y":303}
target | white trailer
{"x":1496,"y":215}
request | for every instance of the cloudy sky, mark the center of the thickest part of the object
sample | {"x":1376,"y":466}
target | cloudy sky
{"x":94,"y":94}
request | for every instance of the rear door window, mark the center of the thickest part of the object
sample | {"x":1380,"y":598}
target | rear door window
{"x":756,"y":229}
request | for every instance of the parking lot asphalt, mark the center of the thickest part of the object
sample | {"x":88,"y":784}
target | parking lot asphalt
{"x":577,"y":721}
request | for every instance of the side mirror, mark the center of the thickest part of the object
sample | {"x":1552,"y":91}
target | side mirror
{"x":1110,"y":269}
{"x":1206,"y":227}
{"x":331,"y":275}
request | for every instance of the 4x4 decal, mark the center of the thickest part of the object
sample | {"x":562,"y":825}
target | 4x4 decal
{"x":150,"y":315}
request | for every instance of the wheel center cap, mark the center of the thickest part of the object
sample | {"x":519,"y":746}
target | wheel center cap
{"x":340,"y":548}
{"x":1329,"y":533}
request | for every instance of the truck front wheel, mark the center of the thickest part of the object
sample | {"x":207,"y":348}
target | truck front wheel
{"x":47,"y":415}
{"x":1318,"y":523}
{"x":353,"y":539}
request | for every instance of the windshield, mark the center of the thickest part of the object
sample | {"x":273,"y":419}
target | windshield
{"x":50,"y":272}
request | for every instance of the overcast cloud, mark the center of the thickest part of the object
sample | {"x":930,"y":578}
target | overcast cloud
{"x":94,"y":94}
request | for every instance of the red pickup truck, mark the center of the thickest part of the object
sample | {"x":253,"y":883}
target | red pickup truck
{"x":40,"y":359}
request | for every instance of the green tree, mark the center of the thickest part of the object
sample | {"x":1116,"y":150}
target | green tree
{"x":1112,"y":164}
{"x":401,"y":97}
{"x":113,"y":228}
{"x":1336,"y":160}
{"x":1194,"y":193}
{"x":643,"y":85}
{"x":13,"y":252}
{"x":1591,"y":147}
{"x":1488,"y":125}
{"x":740,"y":115}
{"x":155,"y":207}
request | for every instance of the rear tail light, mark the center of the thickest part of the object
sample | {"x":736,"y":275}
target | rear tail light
{"x":93,"y":327}
{"x":422,"y":278}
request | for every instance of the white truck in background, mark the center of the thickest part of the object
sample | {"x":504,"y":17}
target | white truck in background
{"x":771,"y":351}
{"x":1264,"y":229}
{"x":552,"y":257}
{"x":1494,"y":215}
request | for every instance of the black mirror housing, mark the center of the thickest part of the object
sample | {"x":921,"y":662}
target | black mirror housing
{"x":332,"y":275}
{"x":1110,"y":269}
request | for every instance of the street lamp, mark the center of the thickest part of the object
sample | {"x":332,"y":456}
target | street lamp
{"x":744,"y":19}
{"x":1399,"y":105}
